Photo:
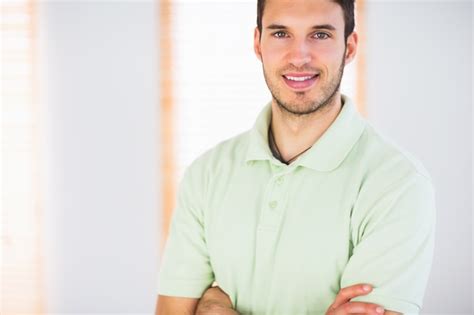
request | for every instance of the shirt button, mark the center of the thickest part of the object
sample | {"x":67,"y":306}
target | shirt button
{"x":280,"y":180}
{"x":273,"y":204}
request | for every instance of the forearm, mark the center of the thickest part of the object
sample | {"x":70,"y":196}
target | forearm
{"x":215,"y":302}
{"x":170,"y":305}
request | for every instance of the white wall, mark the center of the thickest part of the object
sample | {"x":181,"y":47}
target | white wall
{"x":419,"y":62}
{"x":99,"y":71}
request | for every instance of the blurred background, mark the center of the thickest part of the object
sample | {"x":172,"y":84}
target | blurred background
{"x":104,"y":104}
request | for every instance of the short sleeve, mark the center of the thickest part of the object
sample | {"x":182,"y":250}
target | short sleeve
{"x":393,"y":243}
{"x":185,"y":266}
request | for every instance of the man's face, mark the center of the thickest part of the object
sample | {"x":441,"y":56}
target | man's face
{"x":303,"y":52}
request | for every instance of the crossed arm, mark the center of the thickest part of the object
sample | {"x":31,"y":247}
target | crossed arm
{"x":405,"y":216}
{"x":217,"y":302}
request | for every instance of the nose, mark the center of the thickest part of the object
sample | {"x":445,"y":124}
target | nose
{"x":300,"y":53}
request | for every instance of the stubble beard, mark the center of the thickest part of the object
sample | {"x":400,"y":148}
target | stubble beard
{"x":300,"y":106}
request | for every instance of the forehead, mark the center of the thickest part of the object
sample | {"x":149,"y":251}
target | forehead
{"x":301,"y":12}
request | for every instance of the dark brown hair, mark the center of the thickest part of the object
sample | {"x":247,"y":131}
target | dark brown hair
{"x":346,"y":5}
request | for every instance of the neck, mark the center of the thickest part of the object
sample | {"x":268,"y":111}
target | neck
{"x":295,"y":133}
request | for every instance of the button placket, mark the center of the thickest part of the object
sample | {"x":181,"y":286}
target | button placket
{"x":271,"y":217}
{"x":275,"y":201}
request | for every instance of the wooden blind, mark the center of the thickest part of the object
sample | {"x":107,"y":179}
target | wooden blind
{"x":21,"y":263}
{"x":166,"y":118}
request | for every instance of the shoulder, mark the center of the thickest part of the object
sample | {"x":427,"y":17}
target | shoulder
{"x":390,"y":174}
{"x":229,"y":150}
{"x":386,"y":161}
{"x":225,"y":155}
{"x":394,"y":187}
{"x":203,"y":174}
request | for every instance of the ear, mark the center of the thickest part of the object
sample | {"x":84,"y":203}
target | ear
{"x":256,"y":44}
{"x":351,"y":47}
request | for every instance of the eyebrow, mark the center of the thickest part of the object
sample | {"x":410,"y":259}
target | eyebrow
{"x":314,"y":27}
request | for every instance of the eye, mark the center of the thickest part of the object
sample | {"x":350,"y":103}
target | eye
{"x":279,"y":34}
{"x":321,"y":35}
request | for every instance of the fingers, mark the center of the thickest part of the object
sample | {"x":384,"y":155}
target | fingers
{"x":350,"y":292}
{"x":358,"y":308}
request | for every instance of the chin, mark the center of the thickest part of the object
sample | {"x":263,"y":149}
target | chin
{"x":301,"y":108}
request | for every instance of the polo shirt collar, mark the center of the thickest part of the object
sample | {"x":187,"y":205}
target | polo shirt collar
{"x":329,"y":150}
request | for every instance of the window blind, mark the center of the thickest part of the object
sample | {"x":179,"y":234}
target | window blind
{"x":21,"y":264}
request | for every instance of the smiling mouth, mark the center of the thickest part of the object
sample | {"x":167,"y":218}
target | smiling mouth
{"x":300,"y":82}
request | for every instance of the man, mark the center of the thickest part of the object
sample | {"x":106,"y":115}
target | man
{"x":309,"y":201}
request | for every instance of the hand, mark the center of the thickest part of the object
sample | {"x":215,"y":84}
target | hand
{"x":342,"y":304}
{"x":215,"y":302}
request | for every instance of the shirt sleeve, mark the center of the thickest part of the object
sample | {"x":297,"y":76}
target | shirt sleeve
{"x":185,"y":267}
{"x":393,"y":243}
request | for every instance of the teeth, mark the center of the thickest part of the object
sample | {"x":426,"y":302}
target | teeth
{"x":298,"y":78}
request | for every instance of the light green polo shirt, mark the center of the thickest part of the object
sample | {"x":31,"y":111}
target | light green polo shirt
{"x":284,"y":239}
